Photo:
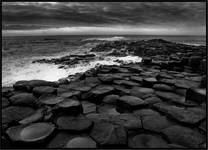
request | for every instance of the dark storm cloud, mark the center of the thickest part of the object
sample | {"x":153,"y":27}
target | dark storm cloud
{"x":38,"y":15}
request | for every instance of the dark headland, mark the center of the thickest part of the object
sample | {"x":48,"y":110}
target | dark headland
{"x":158,"y":103}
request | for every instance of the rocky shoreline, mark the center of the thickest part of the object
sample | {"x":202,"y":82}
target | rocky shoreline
{"x":158,"y":103}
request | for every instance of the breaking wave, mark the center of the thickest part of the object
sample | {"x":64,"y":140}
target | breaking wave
{"x":50,"y":72}
{"x":115,"y":38}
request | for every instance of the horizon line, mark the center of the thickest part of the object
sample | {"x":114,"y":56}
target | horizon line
{"x":103,"y":35}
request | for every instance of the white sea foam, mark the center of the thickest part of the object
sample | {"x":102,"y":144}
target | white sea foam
{"x":49,"y":72}
{"x":33,"y":71}
{"x":107,"y":61}
{"x":115,"y":38}
{"x":194,"y":44}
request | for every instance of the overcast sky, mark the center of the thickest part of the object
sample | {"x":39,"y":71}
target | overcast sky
{"x":153,"y":18}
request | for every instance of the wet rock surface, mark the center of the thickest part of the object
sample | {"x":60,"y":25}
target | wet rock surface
{"x":108,"y":134}
{"x":73,"y":123}
{"x":81,"y":142}
{"x":40,"y":90}
{"x":88,"y":107}
{"x":33,"y":133}
{"x":51,"y":99}
{"x":147,"y":141}
{"x":158,"y":103}
{"x":188,"y":116}
{"x":60,"y":139}
{"x":70,"y":106}
{"x":26,"y":99}
{"x":128,"y":120}
{"x":130,"y":102}
{"x":13,"y":114}
{"x":183,"y":136}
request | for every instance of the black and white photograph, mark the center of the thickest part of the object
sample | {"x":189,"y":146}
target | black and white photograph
{"x":104,"y":75}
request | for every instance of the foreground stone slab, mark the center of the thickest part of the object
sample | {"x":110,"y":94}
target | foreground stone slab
{"x":40,"y":90}
{"x":33,"y":133}
{"x":110,"y":99}
{"x":125,"y":83}
{"x":119,"y":70}
{"x":152,"y":100}
{"x":180,"y":114}
{"x":15,"y":113}
{"x":169,"y":82}
{"x":107,"y":109}
{"x":141,"y":91}
{"x":73,"y":123}
{"x":28,"y":85}
{"x":81,"y":142}
{"x":108,"y":134}
{"x":196,"y":94}
{"x":130,"y":102}
{"x":84,"y":88}
{"x":22,"y":85}
{"x":77,"y":86}
{"x":108,"y":78}
{"x":181,"y":92}
{"x":164,"y":75}
{"x":137,"y":79}
{"x":195,"y":78}
{"x":184,"y":136}
{"x":60,"y":139}
{"x":92,"y":81}
{"x":169,"y":96}
{"x":149,"y":82}
{"x":96,"y":117}
{"x":185,"y":84}
{"x":70,"y":106}
{"x":26,"y":99}
{"x":88,"y":107}
{"x":61,"y":90}
{"x":121,"y":90}
{"x":96,"y":94}
{"x":36,"y":116}
{"x":70,"y":94}
{"x":135,"y":68}
{"x":145,"y":112}
{"x":50,"y":99}
{"x":128,"y":120}
{"x":147,"y":141}
{"x":155,"y":122}
{"x":163,"y":87}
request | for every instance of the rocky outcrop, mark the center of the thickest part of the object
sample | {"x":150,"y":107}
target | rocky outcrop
{"x":67,"y":60}
{"x":158,"y":103}
{"x":175,"y":56}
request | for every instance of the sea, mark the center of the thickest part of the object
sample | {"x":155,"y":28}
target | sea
{"x":18,"y":53}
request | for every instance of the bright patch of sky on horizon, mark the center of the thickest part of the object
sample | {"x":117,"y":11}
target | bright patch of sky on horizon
{"x":101,"y":18}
